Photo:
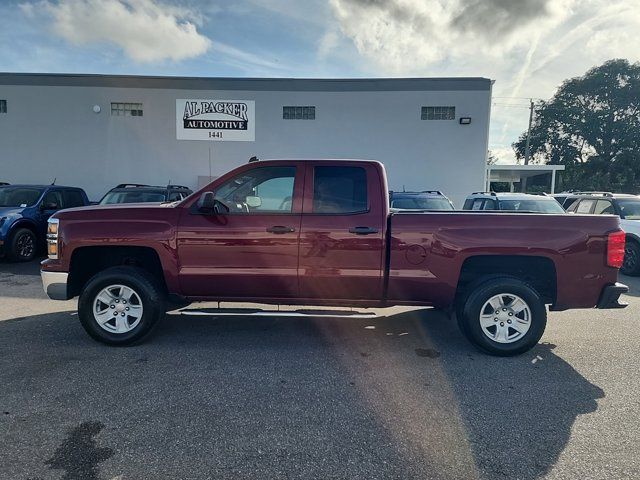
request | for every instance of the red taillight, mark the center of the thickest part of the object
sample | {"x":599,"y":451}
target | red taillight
{"x":615,"y":249}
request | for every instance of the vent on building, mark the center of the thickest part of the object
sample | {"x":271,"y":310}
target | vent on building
{"x":438,"y":113}
{"x":299,"y":113}
{"x":3,"y":106}
{"x":126,"y":109}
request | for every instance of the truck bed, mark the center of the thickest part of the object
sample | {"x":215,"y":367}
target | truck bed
{"x":427,"y":251}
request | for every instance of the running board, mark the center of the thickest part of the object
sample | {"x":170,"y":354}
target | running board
{"x":228,"y":312}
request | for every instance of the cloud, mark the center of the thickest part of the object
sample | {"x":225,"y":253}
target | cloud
{"x":406,"y":36}
{"x":247,"y":61}
{"x":504,"y":155}
{"x":147,"y":31}
{"x":528,"y":46}
{"x":495,"y":18}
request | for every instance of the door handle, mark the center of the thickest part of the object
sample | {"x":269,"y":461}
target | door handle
{"x":363,"y":230}
{"x":280,"y":229}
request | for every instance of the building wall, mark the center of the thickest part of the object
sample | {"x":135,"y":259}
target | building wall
{"x":52,"y":132}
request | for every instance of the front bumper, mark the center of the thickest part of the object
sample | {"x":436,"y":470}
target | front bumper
{"x":55,"y":284}
{"x":610,"y":296}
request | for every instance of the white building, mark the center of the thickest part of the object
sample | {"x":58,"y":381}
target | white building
{"x":95,"y":131}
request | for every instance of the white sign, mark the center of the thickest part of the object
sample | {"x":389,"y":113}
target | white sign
{"x":216,"y":120}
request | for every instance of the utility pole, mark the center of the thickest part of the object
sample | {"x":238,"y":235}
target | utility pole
{"x":527,"y":149}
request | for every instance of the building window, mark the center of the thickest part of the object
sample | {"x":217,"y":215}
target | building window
{"x":126,"y":109}
{"x":299,"y":113}
{"x":3,"y":106}
{"x":438,"y":113}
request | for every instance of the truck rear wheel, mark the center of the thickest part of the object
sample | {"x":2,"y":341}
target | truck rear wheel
{"x":503,"y":316}
{"x":121,"y":305}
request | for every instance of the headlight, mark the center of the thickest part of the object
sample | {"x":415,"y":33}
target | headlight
{"x":52,"y":238}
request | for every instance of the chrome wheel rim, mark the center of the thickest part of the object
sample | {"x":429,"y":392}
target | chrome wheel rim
{"x":117,"y":309}
{"x":505,"y":318}
{"x":25,"y":245}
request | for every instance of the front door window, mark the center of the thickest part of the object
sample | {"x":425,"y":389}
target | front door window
{"x":261,"y":190}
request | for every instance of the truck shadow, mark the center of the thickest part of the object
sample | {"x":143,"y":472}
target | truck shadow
{"x":31,"y":268}
{"x":518,"y":411}
{"x":402,"y":396}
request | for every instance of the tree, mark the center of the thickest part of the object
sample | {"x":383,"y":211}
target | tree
{"x":592,"y":126}
{"x":491,"y":158}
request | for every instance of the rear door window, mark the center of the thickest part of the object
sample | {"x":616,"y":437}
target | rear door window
{"x":72,"y":198}
{"x":585,"y":206}
{"x":489,"y":204}
{"x":477,"y":204}
{"x":340,"y":190}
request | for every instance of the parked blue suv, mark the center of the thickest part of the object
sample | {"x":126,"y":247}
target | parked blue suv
{"x":24,"y":211}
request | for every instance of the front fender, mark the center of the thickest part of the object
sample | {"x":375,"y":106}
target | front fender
{"x":12,"y":223}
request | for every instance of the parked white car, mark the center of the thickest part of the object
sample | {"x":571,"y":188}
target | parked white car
{"x":627,"y":207}
{"x":512,"y":202}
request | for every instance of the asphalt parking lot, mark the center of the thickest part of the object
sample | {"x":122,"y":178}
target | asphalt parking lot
{"x":400,"y":396}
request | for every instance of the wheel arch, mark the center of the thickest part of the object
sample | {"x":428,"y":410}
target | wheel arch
{"x":537,"y":271}
{"x":632,"y":237}
{"x":87,"y":261}
{"x":23,"y":223}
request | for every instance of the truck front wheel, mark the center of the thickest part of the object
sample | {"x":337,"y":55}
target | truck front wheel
{"x":120,"y":305}
{"x":23,"y":246}
{"x":503,"y":316}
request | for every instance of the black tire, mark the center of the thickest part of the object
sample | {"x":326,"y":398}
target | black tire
{"x":151,"y":297}
{"x":23,"y":246}
{"x":631,"y":265}
{"x":469,"y":312}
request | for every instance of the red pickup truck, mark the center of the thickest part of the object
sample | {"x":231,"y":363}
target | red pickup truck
{"x":320,"y":233}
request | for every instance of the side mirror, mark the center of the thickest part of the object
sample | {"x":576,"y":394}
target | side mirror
{"x":253,"y":201}
{"x":206,"y":202}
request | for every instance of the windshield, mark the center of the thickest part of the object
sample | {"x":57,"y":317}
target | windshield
{"x":19,"y":196}
{"x":421,"y":203}
{"x":630,"y":209}
{"x":542,"y":205}
{"x":133,"y":196}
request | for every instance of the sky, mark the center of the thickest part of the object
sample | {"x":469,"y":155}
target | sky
{"x":527,"y":46}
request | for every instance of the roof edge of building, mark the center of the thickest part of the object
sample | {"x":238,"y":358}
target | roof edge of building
{"x":248,"y":83}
